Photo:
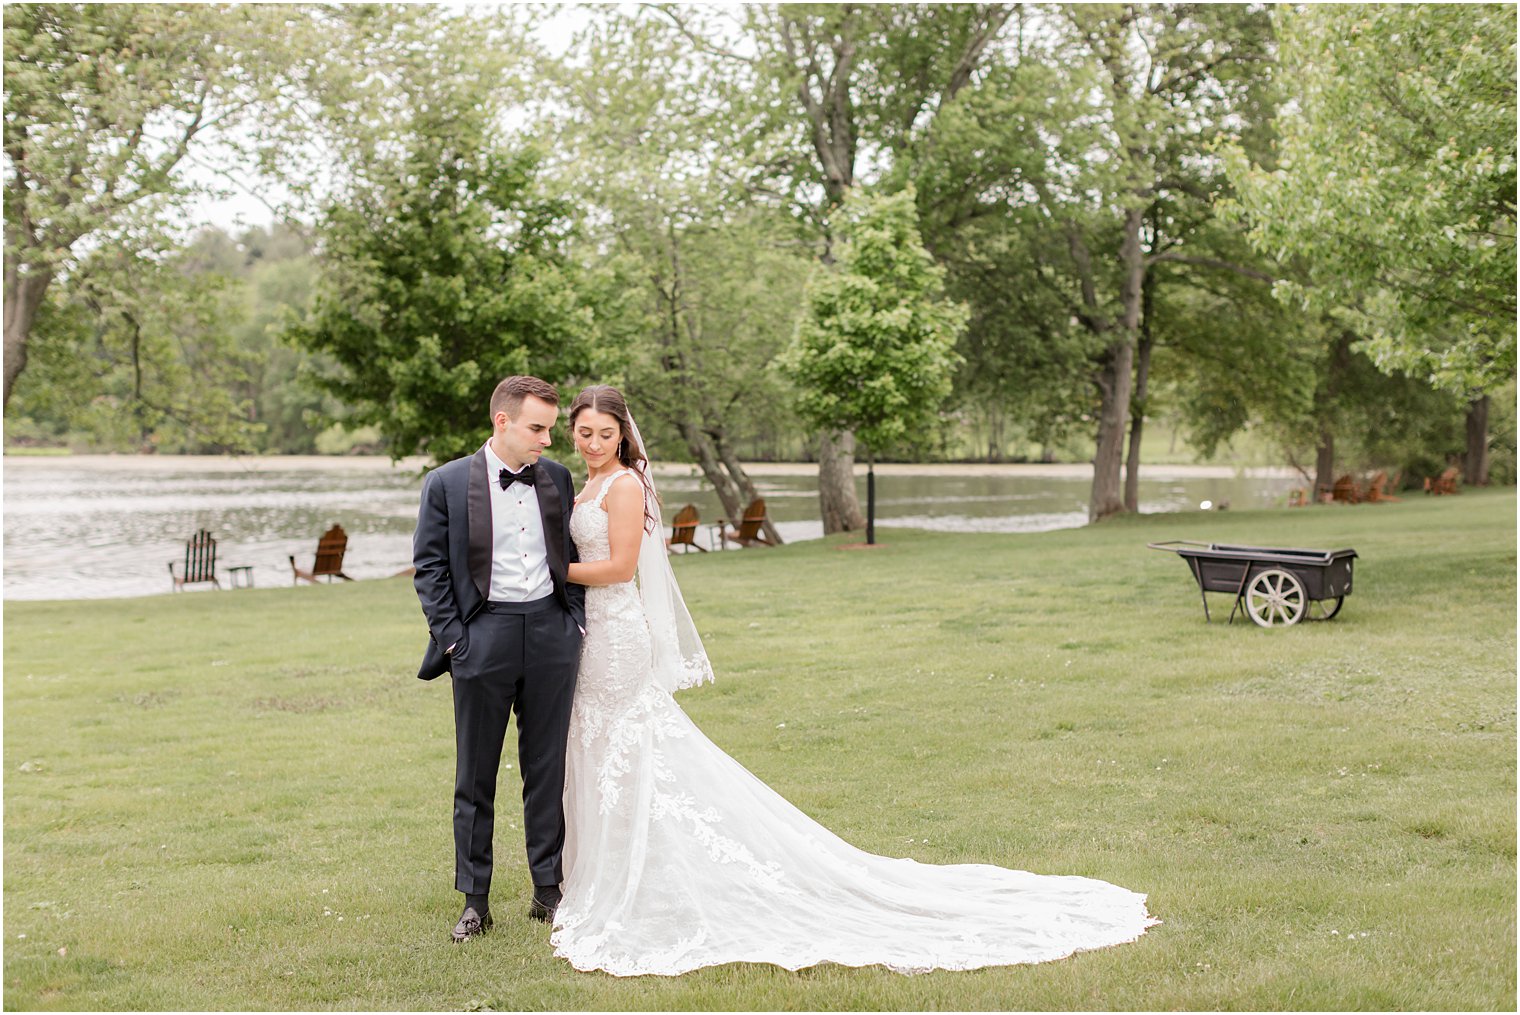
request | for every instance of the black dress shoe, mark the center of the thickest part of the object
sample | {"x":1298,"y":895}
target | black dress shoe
{"x":471,"y":924}
{"x":546,"y":900}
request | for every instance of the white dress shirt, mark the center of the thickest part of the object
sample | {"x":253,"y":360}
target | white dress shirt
{"x":519,"y":553}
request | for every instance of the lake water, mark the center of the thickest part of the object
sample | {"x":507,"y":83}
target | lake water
{"x":100,"y":526}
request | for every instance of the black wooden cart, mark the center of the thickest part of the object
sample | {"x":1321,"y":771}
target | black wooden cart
{"x":1274,"y":586}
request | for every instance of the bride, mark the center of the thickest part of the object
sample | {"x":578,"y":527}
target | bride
{"x":676,"y":857}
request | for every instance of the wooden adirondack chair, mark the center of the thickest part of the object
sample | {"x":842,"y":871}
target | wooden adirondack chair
{"x":1445,"y":483}
{"x":329,"y":562}
{"x":683,"y":530}
{"x":748,"y":532}
{"x":200,"y":562}
{"x":1375,"y":494}
{"x":1346,"y":490}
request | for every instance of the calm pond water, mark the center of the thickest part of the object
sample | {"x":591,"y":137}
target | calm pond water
{"x":90,"y":527}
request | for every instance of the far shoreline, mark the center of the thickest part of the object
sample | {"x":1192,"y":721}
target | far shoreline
{"x":416,"y":463}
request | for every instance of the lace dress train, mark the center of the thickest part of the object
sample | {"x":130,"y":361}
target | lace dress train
{"x":677,"y":857}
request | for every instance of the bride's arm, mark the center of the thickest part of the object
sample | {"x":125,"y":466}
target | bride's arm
{"x":625,"y":528}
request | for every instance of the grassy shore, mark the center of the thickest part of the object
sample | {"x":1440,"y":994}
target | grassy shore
{"x":241,"y":799}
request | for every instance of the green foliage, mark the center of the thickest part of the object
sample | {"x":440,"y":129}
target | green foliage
{"x":1070,"y":195}
{"x":875,"y":349}
{"x":137,"y":354}
{"x":1396,"y":423}
{"x":200,"y":370}
{"x":1502,"y":435}
{"x":1394,"y":183}
{"x":439,"y":285}
{"x":1236,"y":359}
{"x":103,"y":100}
{"x":734,"y":289}
{"x":443,"y":264}
{"x":705,"y":281}
{"x":276,"y":272}
{"x":103,"y":103}
{"x":279,"y":275}
{"x":339,"y":440}
{"x":1027,"y":363}
{"x":669,"y":183}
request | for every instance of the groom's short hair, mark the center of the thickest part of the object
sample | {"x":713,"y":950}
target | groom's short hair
{"x":509,"y":394}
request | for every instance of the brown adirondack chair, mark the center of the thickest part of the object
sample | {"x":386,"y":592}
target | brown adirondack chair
{"x":1375,"y":494}
{"x":329,"y":562}
{"x":749,"y":530}
{"x":1346,"y":490}
{"x":1445,"y":483}
{"x":200,"y":562}
{"x":683,"y":530}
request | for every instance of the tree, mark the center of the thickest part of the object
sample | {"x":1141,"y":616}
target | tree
{"x":875,"y":350}
{"x":1394,"y":188}
{"x":104,"y":104}
{"x":1026,"y":368}
{"x":444,"y":266}
{"x":1083,"y":167}
{"x":847,"y":83}
{"x":653,"y":138}
{"x":277,"y":271}
{"x":136,"y":353}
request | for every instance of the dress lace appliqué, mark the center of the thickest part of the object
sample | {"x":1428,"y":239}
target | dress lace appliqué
{"x":677,"y":857}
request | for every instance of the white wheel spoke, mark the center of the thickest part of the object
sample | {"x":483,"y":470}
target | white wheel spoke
{"x":1276,"y":598}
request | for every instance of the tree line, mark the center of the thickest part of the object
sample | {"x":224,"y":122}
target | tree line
{"x":968,"y":230}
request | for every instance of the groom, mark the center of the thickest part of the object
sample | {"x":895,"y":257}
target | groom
{"x":491,"y":549}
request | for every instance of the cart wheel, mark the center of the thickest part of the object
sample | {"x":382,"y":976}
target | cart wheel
{"x":1275,"y":599}
{"x":1324,"y":609}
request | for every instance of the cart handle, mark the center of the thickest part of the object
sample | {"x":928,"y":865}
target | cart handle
{"x":1172,"y":544}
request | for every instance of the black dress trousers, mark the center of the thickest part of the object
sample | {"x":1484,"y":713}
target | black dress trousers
{"x":515,"y":657}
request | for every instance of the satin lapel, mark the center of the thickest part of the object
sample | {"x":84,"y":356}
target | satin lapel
{"x":551,"y":508}
{"x":478,"y":508}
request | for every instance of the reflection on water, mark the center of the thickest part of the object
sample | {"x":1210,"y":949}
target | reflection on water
{"x":108,"y":527}
{"x":101,"y":526}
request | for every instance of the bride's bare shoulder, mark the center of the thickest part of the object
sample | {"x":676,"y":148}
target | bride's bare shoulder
{"x":624,"y":493}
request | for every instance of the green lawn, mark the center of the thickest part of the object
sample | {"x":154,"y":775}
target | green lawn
{"x":241,"y":799}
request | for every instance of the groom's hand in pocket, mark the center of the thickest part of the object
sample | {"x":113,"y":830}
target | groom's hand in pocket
{"x":457,"y":651}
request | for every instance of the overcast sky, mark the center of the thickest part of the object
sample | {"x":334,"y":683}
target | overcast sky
{"x":243,"y":209}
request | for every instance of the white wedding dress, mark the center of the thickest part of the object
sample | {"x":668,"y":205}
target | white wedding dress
{"x":676,"y":857}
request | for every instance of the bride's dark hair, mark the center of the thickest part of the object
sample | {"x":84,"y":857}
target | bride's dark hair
{"x":606,"y":398}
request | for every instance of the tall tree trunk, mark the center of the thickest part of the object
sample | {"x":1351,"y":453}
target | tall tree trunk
{"x":139,"y":408}
{"x":1115,"y":379}
{"x":1324,"y":403}
{"x":1324,"y":460}
{"x":1114,"y":384}
{"x":701,"y":448}
{"x":742,"y":482}
{"x":836,"y":483}
{"x":1475,"y":462}
{"x":1137,"y":404}
{"x":23,"y":297}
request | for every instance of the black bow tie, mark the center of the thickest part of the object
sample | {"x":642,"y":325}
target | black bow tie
{"x":525,"y":476}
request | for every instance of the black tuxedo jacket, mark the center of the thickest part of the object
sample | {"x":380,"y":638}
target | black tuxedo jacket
{"x":451,"y":548}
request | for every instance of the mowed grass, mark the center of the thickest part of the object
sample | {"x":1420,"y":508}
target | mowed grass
{"x":242,"y":799}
